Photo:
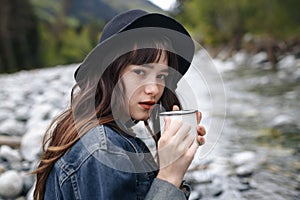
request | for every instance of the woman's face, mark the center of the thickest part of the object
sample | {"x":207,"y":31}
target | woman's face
{"x":143,"y":87}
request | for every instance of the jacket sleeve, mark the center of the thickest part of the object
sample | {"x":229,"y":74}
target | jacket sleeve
{"x":161,"y":189}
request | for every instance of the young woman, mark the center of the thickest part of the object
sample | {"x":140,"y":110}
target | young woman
{"x":91,"y":150}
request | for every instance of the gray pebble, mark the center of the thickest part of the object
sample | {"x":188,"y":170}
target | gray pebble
{"x":11,"y":184}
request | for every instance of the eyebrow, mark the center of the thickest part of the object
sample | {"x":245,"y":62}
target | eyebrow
{"x":151,"y":66}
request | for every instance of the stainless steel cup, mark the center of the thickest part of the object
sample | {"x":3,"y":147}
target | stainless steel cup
{"x":186,"y":116}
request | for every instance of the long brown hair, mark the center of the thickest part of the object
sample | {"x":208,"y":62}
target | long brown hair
{"x":66,"y":129}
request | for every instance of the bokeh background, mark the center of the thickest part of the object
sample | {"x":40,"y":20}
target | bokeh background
{"x":41,"y":33}
{"x":253,"y":44}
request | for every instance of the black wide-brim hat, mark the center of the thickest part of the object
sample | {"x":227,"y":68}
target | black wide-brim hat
{"x":131,"y":25}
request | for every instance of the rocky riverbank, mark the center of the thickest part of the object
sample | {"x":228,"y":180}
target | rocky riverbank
{"x":29,"y":101}
{"x":256,"y":156}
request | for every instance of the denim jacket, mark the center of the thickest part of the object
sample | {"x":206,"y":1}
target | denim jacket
{"x":104,"y":164}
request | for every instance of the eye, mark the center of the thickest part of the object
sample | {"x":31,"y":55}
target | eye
{"x":139,"y":72}
{"x":162,"y":76}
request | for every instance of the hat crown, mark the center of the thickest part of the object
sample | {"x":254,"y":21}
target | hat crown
{"x":182,"y":42}
{"x":119,"y":22}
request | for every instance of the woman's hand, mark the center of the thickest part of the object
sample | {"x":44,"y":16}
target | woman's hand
{"x":176,"y":149}
{"x":200,"y":129}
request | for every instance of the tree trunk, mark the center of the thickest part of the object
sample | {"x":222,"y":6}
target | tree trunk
{"x":6,"y":48}
{"x":271,"y":53}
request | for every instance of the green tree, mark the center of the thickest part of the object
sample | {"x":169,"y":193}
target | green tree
{"x":215,"y":22}
{"x":222,"y":22}
{"x":64,"y":39}
{"x":19,"y":39}
{"x":76,"y":45}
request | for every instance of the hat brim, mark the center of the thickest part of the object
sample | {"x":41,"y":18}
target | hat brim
{"x":183,"y":45}
{"x":145,"y":26}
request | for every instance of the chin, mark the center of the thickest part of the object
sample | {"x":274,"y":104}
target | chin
{"x":141,"y":117}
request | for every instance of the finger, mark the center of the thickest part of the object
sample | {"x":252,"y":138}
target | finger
{"x":182,"y":133}
{"x":201,"y":130}
{"x":192,"y":151}
{"x":185,"y":143}
{"x":167,"y":123}
{"x":200,"y":140}
{"x":175,"y":107}
{"x":173,"y":125}
{"x":199,"y":117}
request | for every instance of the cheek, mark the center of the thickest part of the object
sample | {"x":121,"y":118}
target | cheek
{"x":161,"y":91}
{"x":131,"y":91}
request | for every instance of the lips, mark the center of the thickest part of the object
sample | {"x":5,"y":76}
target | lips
{"x":147,"y":104}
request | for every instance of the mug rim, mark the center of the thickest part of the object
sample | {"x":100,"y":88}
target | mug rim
{"x":177,"y":112}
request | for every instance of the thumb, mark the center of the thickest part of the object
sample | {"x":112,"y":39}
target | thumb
{"x":175,"y":107}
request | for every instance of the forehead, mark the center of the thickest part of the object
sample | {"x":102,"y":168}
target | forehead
{"x":161,"y":60}
{"x":159,"y":66}
{"x":149,"y":57}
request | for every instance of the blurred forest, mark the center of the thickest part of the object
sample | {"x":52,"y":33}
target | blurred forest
{"x":272,"y":26}
{"x":42,"y":33}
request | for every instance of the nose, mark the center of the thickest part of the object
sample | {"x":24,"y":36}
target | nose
{"x":152,"y":88}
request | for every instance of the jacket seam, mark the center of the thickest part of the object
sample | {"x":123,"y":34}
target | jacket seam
{"x":75,"y":187}
{"x":90,"y":150}
{"x":70,"y":171}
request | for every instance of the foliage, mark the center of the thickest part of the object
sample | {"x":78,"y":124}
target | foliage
{"x":72,"y":45}
{"x":223,"y":21}
{"x":19,"y":39}
{"x":63,"y":39}
{"x":36,"y":33}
